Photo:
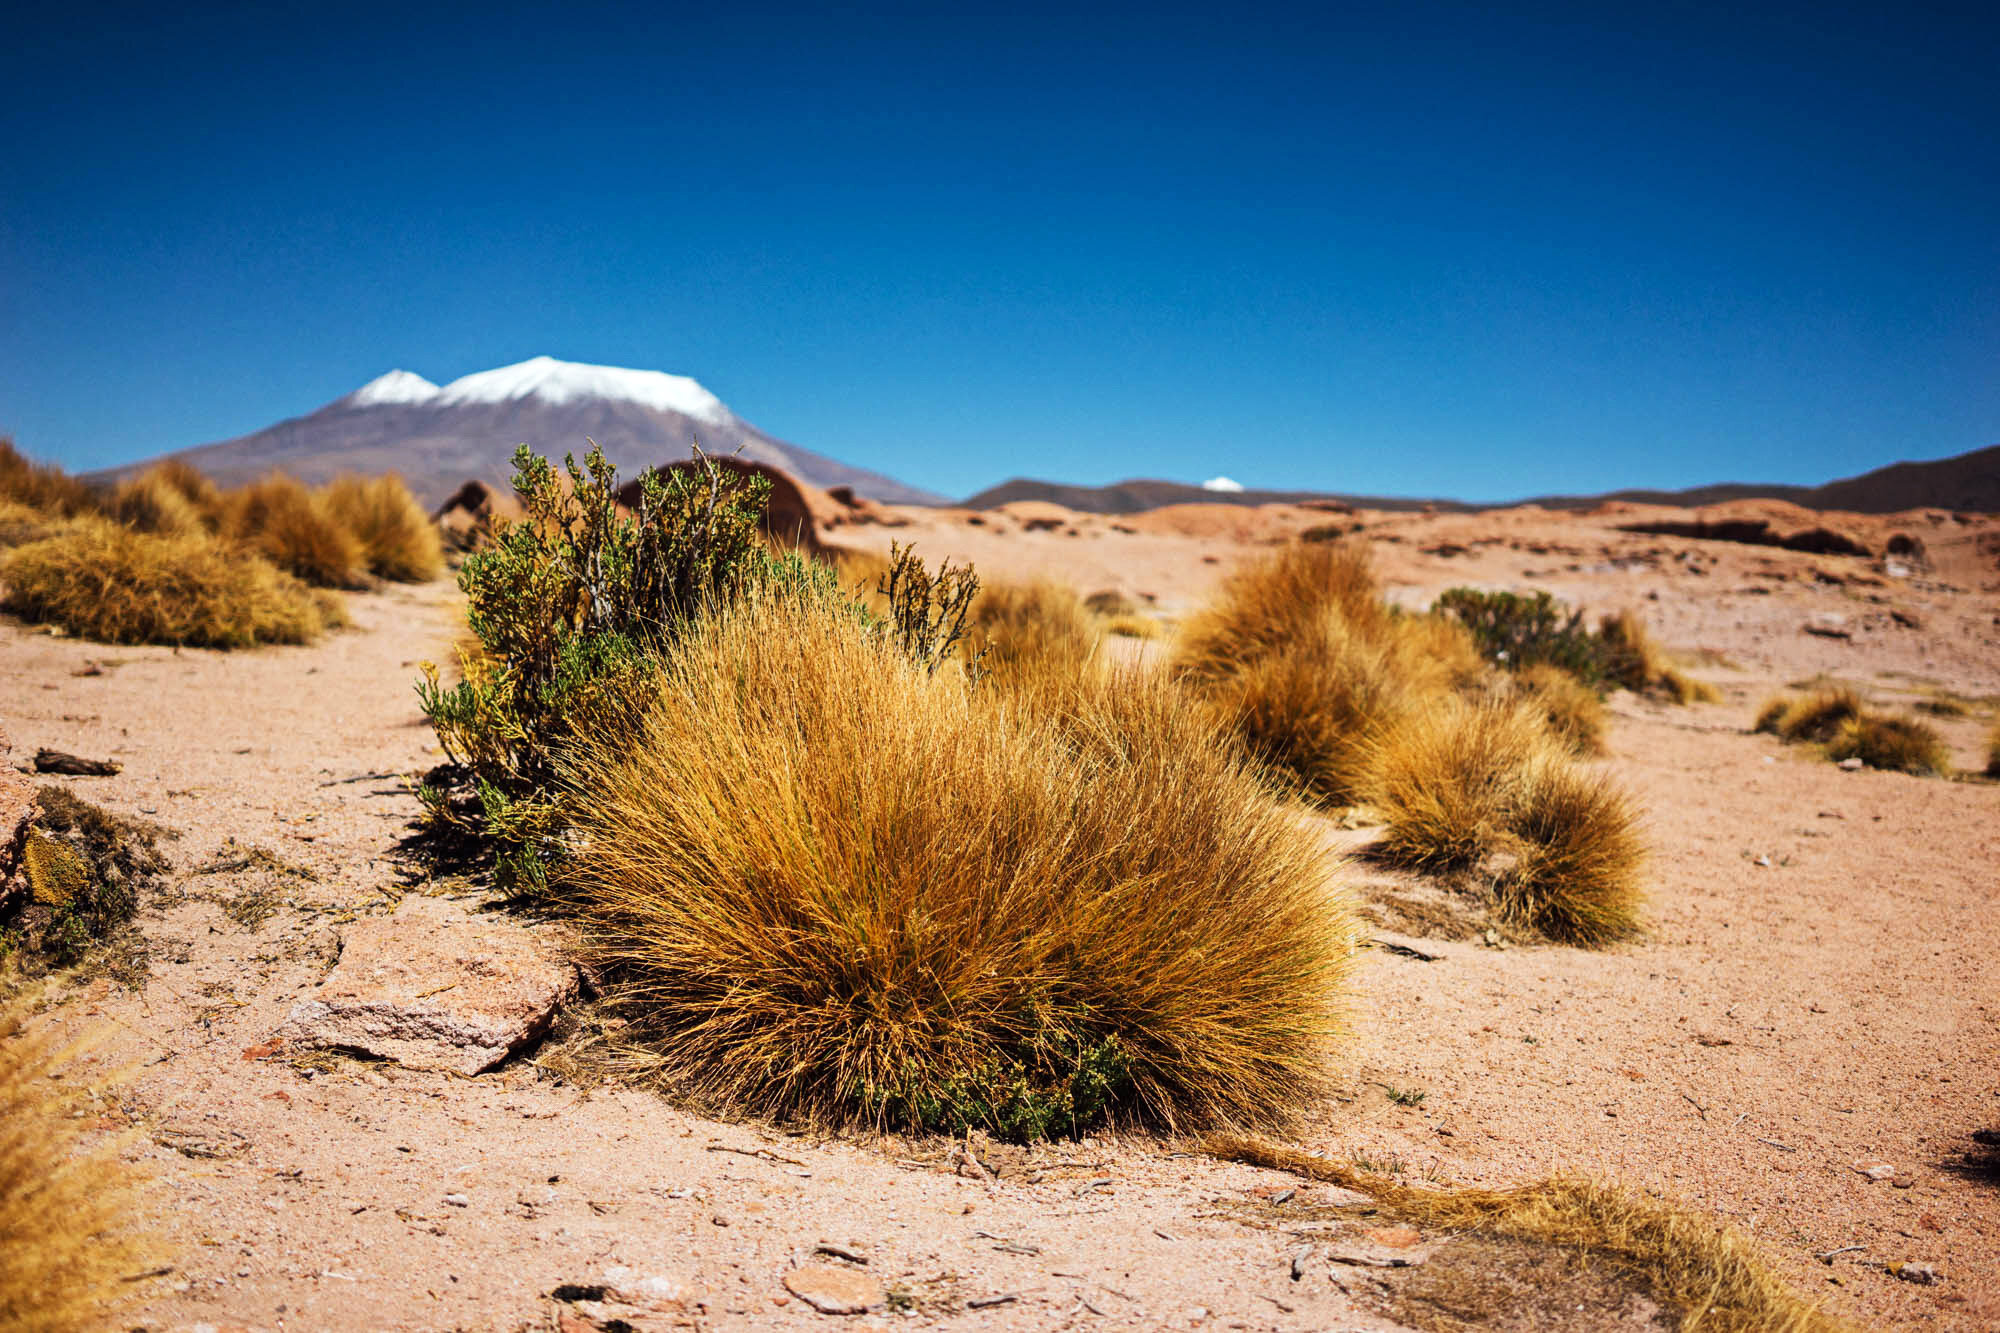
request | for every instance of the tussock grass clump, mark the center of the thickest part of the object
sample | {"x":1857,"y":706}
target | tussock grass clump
{"x":42,"y":486}
{"x":1571,"y":708}
{"x":1486,"y":785}
{"x":1900,"y":743}
{"x":397,"y":538}
{"x":949,"y":911}
{"x":294,"y":529}
{"x":20,"y":524}
{"x":153,"y":503}
{"x":99,"y":580}
{"x":1270,"y":603}
{"x":1634,"y":661}
{"x":1847,"y":728}
{"x":1708,"y":1276}
{"x":1031,"y":633}
{"x":65,"y":1250}
{"x":1133,"y":626}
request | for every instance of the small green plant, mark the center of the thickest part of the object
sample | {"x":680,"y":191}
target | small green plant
{"x":1405,"y":1096}
{"x":1519,"y":630}
{"x":85,"y":870}
{"x":570,"y":606}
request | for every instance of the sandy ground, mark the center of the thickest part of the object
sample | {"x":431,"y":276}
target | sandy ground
{"x":1820,"y":989}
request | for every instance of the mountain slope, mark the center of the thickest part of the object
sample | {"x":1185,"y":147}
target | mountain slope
{"x":440,"y":437}
{"x":1969,"y":482}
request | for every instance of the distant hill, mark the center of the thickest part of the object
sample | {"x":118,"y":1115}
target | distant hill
{"x":438,"y":438}
{"x":1968,"y":482}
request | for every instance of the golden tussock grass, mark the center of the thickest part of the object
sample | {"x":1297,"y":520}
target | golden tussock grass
{"x":294,"y":529}
{"x":1033,"y":634}
{"x":397,"y":537}
{"x":1133,"y":626}
{"x":1571,"y":708}
{"x":152,"y":503}
{"x":1634,"y":661}
{"x":950,"y":909}
{"x":21,"y":524}
{"x":42,"y":486}
{"x":1900,"y":743}
{"x":99,"y":580}
{"x":1707,"y":1275}
{"x":1810,"y":717}
{"x":1269,"y":603}
{"x":1487,"y":784}
{"x":66,"y":1250}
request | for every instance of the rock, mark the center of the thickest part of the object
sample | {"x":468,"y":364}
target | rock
{"x":1828,"y":626}
{"x":646,"y":1291}
{"x":18,"y":809}
{"x":1921,"y":1274}
{"x":434,"y":987}
{"x":1852,"y":763}
{"x":1876,"y":1170}
{"x":458,"y":1200}
{"x":831,"y":1290}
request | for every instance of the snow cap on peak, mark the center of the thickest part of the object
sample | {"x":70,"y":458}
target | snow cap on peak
{"x":1222,"y":484}
{"x":555,"y":381}
{"x":398,"y":386}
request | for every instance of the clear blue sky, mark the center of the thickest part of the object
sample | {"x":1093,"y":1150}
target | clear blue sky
{"x":1401,"y":249}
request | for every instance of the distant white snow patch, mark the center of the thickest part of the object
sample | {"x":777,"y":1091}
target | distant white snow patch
{"x":1222,"y":484}
{"x":555,"y":381}
{"x":398,"y":386}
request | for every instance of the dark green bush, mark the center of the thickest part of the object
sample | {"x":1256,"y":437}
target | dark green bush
{"x":1516,"y":630}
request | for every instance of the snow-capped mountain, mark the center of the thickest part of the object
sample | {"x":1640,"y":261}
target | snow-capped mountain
{"x":440,"y":437}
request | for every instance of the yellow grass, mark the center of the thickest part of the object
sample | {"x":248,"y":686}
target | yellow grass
{"x":1900,"y":743}
{"x":1032,"y":634}
{"x":1708,"y":1276}
{"x":65,"y":1246}
{"x":101,"y":581}
{"x":1133,"y":626}
{"x":1571,"y":708}
{"x":1271,"y":602}
{"x":293,"y":528}
{"x":21,"y":524}
{"x":1635,"y":662}
{"x":1577,"y":856}
{"x":839,"y":888}
{"x":152,"y":503}
{"x":42,"y":486}
{"x":399,"y":540}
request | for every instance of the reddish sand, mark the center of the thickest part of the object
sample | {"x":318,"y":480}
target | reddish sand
{"x":1819,"y":988}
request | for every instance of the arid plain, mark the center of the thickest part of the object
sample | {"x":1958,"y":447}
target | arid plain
{"x":1801,"y":1044}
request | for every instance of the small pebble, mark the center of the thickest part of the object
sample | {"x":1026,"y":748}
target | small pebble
{"x":457,"y":1200}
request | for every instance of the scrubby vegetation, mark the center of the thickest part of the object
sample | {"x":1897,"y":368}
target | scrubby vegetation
{"x":1347,"y":701}
{"x":1521,"y":631}
{"x":1837,"y":720}
{"x":296,"y":530}
{"x":66,"y":1249}
{"x":398,"y":540}
{"x":572,"y":607}
{"x":1707,"y":1277}
{"x":948,"y":912}
{"x":86,"y":868}
{"x":102,"y":581}
{"x":168,"y":558}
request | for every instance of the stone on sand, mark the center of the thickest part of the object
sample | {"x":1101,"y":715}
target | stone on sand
{"x":432,"y":986}
{"x":831,"y":1290}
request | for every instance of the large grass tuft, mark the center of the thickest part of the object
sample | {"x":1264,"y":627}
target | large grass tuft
{"x":101,"y":581}
{"x":294,"y":529}
{"x":1633,"y":660}
{"x":42,"y":486}
{"x":1900,"y":743}
{"x":1709,"y":1277}
{"x":152,"y":503}
{"x":397,"y":538}
{"x":1574,"y":837}
{"x":65,"y":1253}
{"x":1035,"y":635}
{"x":1571,"y":708}
{"x":840,"y":887}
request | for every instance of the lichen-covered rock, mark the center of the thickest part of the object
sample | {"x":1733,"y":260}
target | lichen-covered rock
{"x":433,"y":986}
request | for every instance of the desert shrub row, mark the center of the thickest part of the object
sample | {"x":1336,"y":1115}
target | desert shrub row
{"x":169,"y":558}
{"x":1525,"y":631}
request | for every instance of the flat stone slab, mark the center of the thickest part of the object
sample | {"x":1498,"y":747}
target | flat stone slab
{"x":831,"y":1290}
{"x":434,"y":986}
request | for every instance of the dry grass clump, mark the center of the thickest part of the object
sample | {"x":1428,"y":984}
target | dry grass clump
{"x":1133,"y":626}
{"x":1487,"y":785}
{"x":1710,"y":1277}
{"x":398,"y":539}
{"x":152,"y":503}
{"x":1571,"y":708}
{"x":1837,"y":719}
{"x":1993,"y":752}
{"x":950,"y":910}
{"x":42,"y":486}
{"x":101,"y":581}
{"x":1030,"y":634}
{"x":1633,"y":660}
{"x":85,"y":869}
{"x":1269,"y":604}
{"x":296,"y":530}
{"x":1900,"y":743}
{"x":64,"y":1247}
{"x":21,"y":524}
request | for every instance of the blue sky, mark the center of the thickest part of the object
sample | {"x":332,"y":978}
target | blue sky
{"x":1408,"y":250}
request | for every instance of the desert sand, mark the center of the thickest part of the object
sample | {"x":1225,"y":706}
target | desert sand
{"x":1818,"y":992}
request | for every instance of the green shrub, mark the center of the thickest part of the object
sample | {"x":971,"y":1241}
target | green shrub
{"x":570,"y":606}
{"x":1516,"y":630}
